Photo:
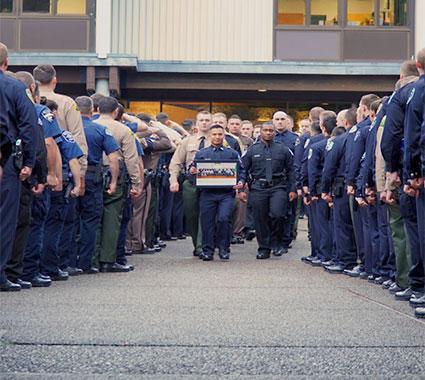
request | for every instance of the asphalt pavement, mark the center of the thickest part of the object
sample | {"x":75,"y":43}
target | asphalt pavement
{"x":177,"y":317}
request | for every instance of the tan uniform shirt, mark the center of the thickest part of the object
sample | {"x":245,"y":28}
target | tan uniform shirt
{"x":185,"y":154}
{"x":380,"y":175}
{"x":69,"y":118}
{"x":125,"y":140}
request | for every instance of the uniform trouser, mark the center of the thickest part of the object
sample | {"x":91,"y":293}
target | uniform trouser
{"x":10,"y":191}
{"x":111,"y":223}
{"x":409,"y":214}
{"x":216,"y":213}
{"x":314,"y":223}
{"x":299,"y":211}
{"x":191,"y":212}
{"x":67,"y":245}
{"x":14,"y":266}
{"x":177,"y":228}
{"x":49,"y":260}
{"x":270,"y":209}
{"x":358,"y":229}
{"x":323,"y":218}
{"x":90,"y":212}
{"x":334,"y":237}
{"x":32,"y":255}
{"x":288,"y":228}
{"x":240,"y":217}
{"x":387,"y":263}
{"x":401,"y":246}
{"x":344,"y":230}
{"x":249,"y":221}
{"x":152,"y":219}
{"x":420,"y":210}
{"x":374,"y":255}
{"x":165,"y":207}
{"x":136,"y":231}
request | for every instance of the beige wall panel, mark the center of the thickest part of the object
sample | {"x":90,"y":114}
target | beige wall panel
{"x":193,"y":30}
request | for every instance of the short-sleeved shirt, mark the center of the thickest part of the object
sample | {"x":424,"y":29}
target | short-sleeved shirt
{"x":47,"y":121}
{"x":68,"y":146}
{"x":99,"y":140}
{"x":133,"y":129}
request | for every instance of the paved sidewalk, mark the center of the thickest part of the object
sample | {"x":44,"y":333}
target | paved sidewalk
{"x":178,"y":317}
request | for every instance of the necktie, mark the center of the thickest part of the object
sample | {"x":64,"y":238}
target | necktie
{"x":268,"y":156}
{"x":202,"y":143}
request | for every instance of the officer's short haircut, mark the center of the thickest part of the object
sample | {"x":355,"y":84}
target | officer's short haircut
{"x":409,"y":69}
{"x":368,"y":99}
{"x":95,"y":99}
{"x":245,"y":122}
{"x":25,"y":77}
{"x":145,"y":117}
{"x":51,"y":105}
{"x":267,"y":124}
{"x":338,"y":131}
{"x":326,"y":114}
{"x":216,"y":126}
{"x":187,"y":124}
{"x":234,"y":116}
{"x":375,"y":106}
{"x":420,"y":58}
{"x":10,"y":74}
{"x":121,"y":111}
{"x":3,"y":53}
{"x":315,"y":113}
{"x":351,"y":116}
{"x":84,"y":104}
{"x":162,"y":117}
{"x":44,"y":73}
{"x":203,"y":113}
{"x":315,"y":127}
{"x":220,"y":114}
{"x":108,"y":104}
{"x":37,"y":88}
{"x":329,"y":124}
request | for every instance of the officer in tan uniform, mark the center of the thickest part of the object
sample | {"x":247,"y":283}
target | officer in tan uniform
{"x":113,"y":203}
{"x":179,"y":170}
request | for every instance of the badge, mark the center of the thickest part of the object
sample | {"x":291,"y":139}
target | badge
{"x":306,"y":143}
{"x":310,"y":153}
{"x":412,"y":94}
{"x":356,"y":137}
{"x":329,"y":145}
{"x":48,"y":115}
{"x":67,"y":136}
{"x":297,"y":141}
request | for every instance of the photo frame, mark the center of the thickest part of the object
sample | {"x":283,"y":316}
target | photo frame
{"x":216,"y":174}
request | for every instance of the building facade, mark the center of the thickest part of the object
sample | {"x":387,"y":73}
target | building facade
{"x":179,"y":55}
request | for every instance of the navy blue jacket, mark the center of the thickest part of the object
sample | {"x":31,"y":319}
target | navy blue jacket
{"x":316,"y":158}
{"x":304,"y":163}
{"x":298,"y":158}
{"x":290,"y":139}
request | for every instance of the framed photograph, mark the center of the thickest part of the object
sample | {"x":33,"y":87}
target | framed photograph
{"x":214,"y":174}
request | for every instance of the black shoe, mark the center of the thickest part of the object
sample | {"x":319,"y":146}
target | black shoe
{"x":224,"y":255}
{"x":148,"y":251}
{"x":355,"y":272}
{"x":117,"y":268}
{"x":371,"y":278}
{"x":157,"y":248}
{"x":416,"y":301}
{"x":239,"y":240}
{"x":207,"y":257}
{"x":44,"y":276}
{"x":406,"y":294}
{"x":129,"y":266}
{"x":263,"y":256}
{"x":160,"y":244}
{"x":308,"y":259}
{"x":335,"y":269}
{"x":394,"y":288}
{"x":328,"y":263}
{"x":40,"y":282}
{"x":289,"y":246}
{"x":316,"y":263}
{"x":387,"y":284}
{"x":10,"y":286}
{"x":380,"y":280}
{"x":182,"y":237}
{"x":60,"y":276}
{"x":279,"y":252}
{"x":250,"y":235}
{"x":24,"y":284}
{"x":364,"y":275}
{"x":233,"y":240}
{"x":128,"y":252}
{"x":196,"y":252}
{"x":420,"y":312}
{"x":73,"y":271}
{"x":92,"y":270}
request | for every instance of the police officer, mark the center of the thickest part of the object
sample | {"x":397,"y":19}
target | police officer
{"x":216,"y":205}
{"x":99,"y":140}
{"x":17,"y":132}
{"x":270,"y":165}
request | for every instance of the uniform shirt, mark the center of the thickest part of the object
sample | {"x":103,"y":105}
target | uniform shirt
{"x":298,"y":158}
{"x":414,"y":120}
{"x":185,"y":154}
{"x":125,"y":140}
{"x":17,"y":117}
{"x":316,"y":159}
{"x":358,"y":146}
{"x":99,"y":140}
{"x":213,"y":153}
{"x":290,"y":139}
{"x":68,"y":148}
{"x":394,"y":127}
{"x":153,"y":145}
{"x":269,"y":162}
{"x":133,"y":129}
{"x":233,"y":142}
{"x":47,"y":121}
{"x":304,"y":162}
{"x":69,"y":119}
{"x":334,"y":165}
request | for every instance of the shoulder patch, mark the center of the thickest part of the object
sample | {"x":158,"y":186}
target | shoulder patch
{"x":67,"y":136}
{"x":306,"y":143}
{"x":297,"y":141}
{"x":48,"y":115}
{"x":310,"y":153}
{"x":329,"y":145}
{"x":412,"y":94}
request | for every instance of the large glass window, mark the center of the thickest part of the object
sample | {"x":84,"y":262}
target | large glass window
{"x":6,"y":6}
{"x":393,"y":13}
{"x":291,"y":12}
{"x":37,"y":6}
{"x":71,"y":7}
{"x":324,"y":12}
{"x":360,"y":12}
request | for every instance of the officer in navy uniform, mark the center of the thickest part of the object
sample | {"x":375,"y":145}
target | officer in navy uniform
{"x":334,"y":190}
{"x":216,"y":204}
{"x":99,"y":141}
{"x":414,"y":155}
{"x":270,"y":165}
{"x":17,"y":131}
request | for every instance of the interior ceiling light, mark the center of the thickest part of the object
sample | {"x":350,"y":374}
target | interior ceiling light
{"x":262,"y":90}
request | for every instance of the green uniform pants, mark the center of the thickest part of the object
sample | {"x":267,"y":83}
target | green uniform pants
{"x":152,"y":216}
{"x":401,"y":246}
{"x":191,"y":212}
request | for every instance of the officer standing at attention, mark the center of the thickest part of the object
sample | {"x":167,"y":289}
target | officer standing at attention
{"x":270,"y":165}
{"x":216,"y":205}
{"x":17,"y":132}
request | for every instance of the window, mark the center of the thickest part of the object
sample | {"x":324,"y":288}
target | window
{"x":37,"y":6}
{"x":71,"y":7}
{"x":324,"y":12}
{"x":393,"y":13}
{"x":291,"y":12}
{"x":6,"y":6}
{"x":361,"y":12}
